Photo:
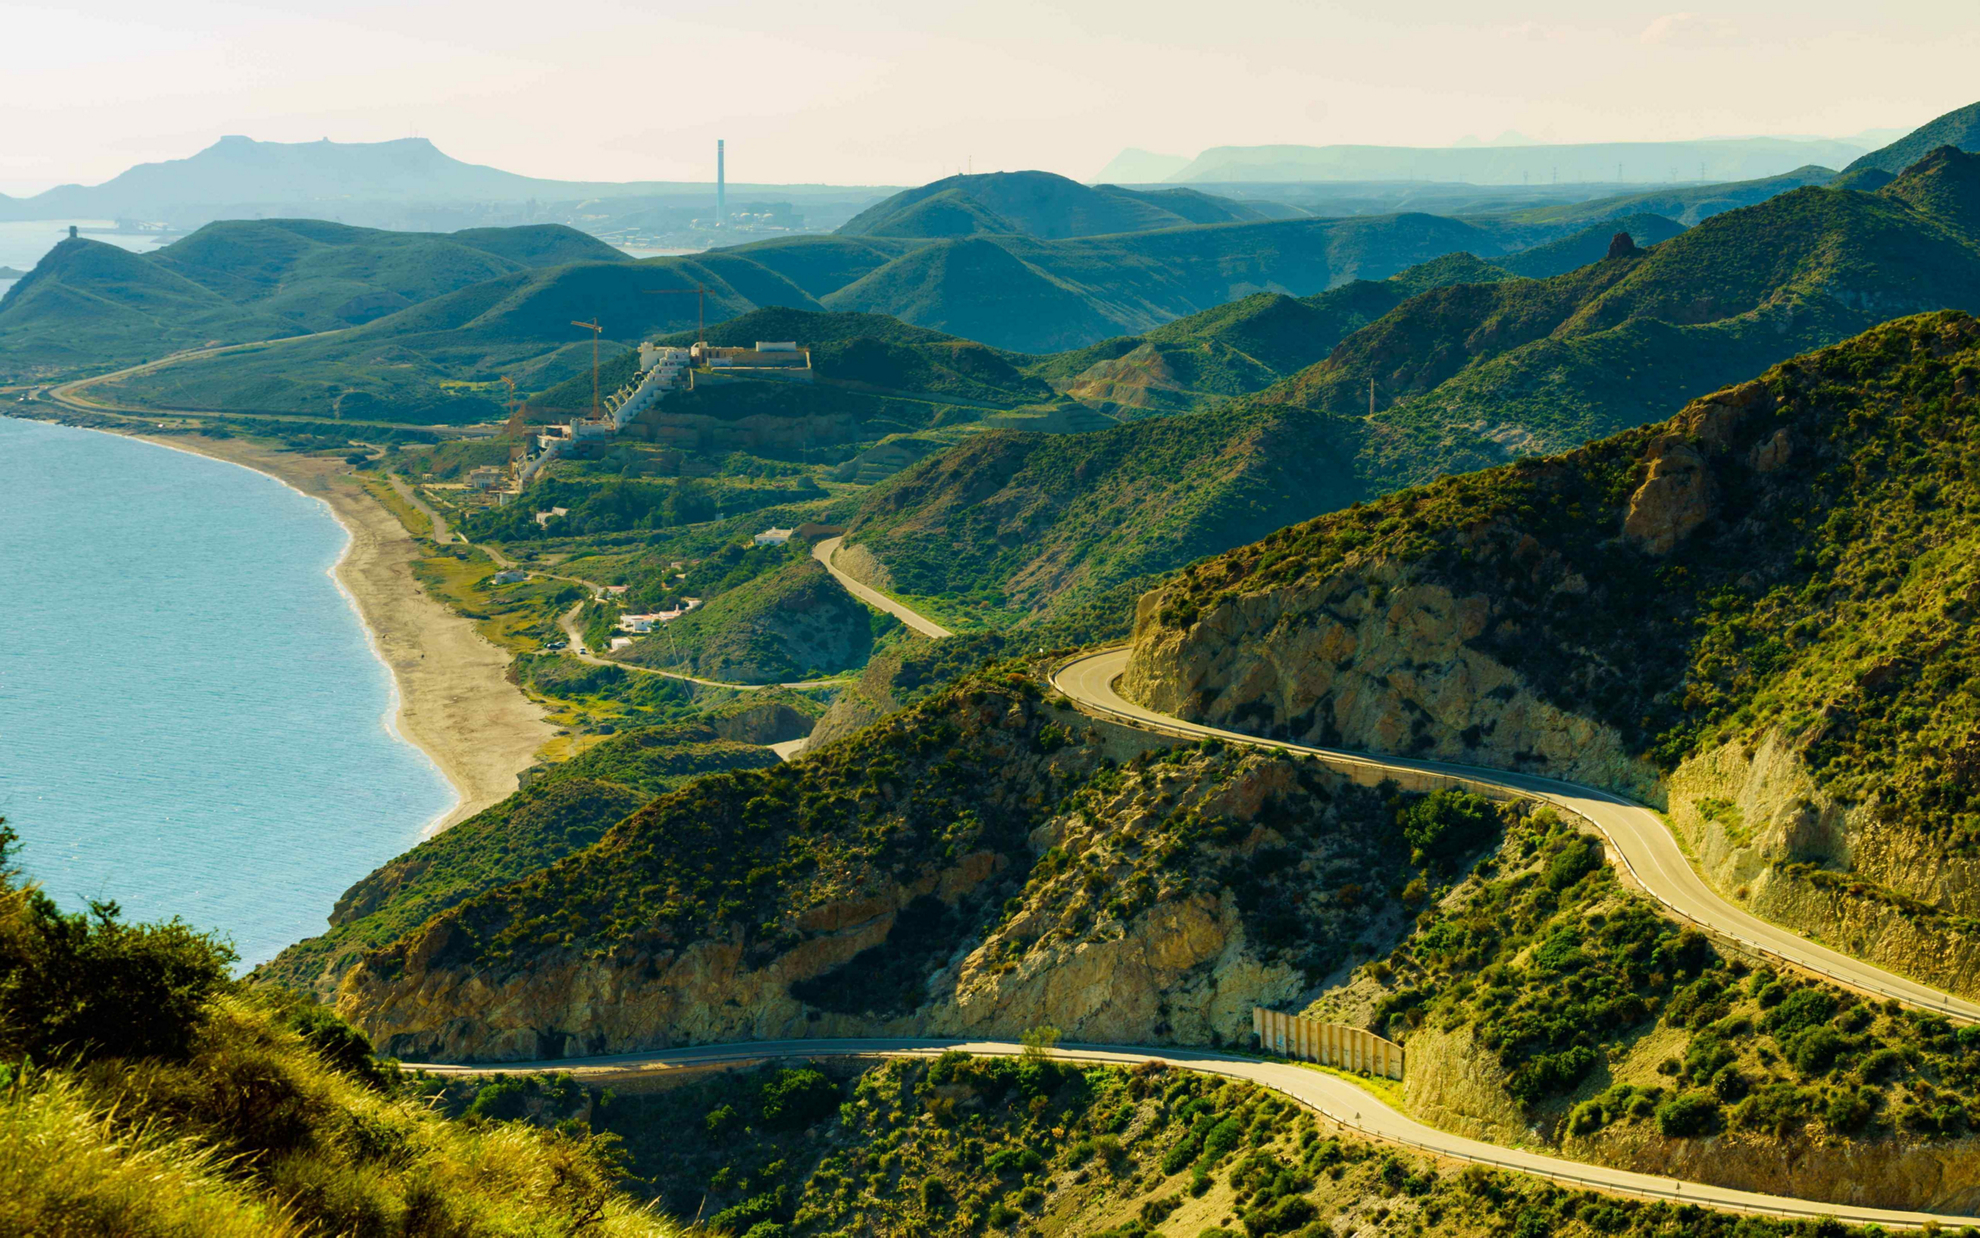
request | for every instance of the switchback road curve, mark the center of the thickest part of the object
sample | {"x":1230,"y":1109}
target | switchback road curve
{"x":1645,"y":844}
{"x":1327,"y":1094}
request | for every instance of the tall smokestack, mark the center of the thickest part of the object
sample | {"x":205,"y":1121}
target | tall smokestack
{"x":721,"y":186}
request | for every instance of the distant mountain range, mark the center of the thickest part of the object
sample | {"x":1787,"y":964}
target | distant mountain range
{"x":387,"y":183}
{"x":1730,"y":159}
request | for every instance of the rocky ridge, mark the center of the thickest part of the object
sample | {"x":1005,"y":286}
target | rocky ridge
{"x":1726,"y":615}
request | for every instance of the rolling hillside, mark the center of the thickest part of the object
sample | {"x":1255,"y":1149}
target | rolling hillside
{"x":1241,"y":347}
{"x":441,"y":360}
{"x":1046,"y":522}
{"x":1960,"y":128}
{"x":91,"y":304}
{"x":1756,"y":613}
{"x":1468,"y":376}
{"x":1038,"y":204}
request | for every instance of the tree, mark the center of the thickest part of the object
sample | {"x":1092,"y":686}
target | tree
{"x":89,"y":985}
{"x":1039,"y":1042}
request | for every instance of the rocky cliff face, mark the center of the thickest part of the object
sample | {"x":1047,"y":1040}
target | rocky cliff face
{"x":1379,"y":659}
{"x":1455,"y":1085}
{"x":1929,"y":1177}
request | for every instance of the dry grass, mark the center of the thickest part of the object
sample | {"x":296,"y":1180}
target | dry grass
{"x":255,"y":1135}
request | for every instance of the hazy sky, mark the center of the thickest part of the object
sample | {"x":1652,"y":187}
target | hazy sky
{"x":902,"y":91}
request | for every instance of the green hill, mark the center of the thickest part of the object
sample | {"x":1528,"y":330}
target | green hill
{"x":1241,"y":347}
{"x":86,"y":306}
{"x":791,"y":624}
{"x":1959,"y":129}
{"x":1757,"y":613}
{"x":562,"y":809}
{"x":977,"y":289}
{"x":1591,"y":244}
{"x":441,"y":360}
{"x":1038,"y":204}
{"x":1468,"y":376}
{"x":1044,"y":522}
{"x":147,"y":1094}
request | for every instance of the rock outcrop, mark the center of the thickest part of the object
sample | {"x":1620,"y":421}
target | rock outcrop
{"x":1676,"y":497}
{"x":1157,"y":904}
{"x":1941,"y":1176}
{"x":1768,"y":835}
{"x":1374,"y":659}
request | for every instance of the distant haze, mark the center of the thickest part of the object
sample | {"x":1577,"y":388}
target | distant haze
{"x":892,"y":92}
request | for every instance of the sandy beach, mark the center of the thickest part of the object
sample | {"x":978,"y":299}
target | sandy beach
{"x":455,"y":700}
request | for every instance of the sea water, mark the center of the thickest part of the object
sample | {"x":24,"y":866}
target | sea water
{"x":192,"y":721}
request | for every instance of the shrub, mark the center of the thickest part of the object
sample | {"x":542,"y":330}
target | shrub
{"x":1573,"y":862}
{"x":1587,"y":1118}
{"x":1813,"y":1050}
{"x":1687,"y":1114}
{"x":1880,"y":1064}
{"x":1780,"y":1108}
{"x":1848,"y":1111}
{"x":795,"y":1099}
{"x":1802,"y":1008}
{"x":934,"y":1192}
{"x":1444,"y":825}
{"x":1013,"y":1161}
{"x":1730,"y":1085}
{"x":1222,"y":1138}
{"x":90,"y":985}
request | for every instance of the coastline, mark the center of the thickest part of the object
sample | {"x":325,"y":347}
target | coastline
{"x":451,"y":696}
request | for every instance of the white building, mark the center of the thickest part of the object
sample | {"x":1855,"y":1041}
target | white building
{"x":772,"y":537}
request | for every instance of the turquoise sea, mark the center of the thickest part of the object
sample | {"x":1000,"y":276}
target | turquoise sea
{"x":192,"y":722}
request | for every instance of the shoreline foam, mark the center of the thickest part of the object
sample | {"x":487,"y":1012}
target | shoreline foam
{"x":475,"y":727}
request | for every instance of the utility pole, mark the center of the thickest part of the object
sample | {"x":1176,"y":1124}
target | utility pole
{"x":1371,"y":397}
{"x":596,"y":331}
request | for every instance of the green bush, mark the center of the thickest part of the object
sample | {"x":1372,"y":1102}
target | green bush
{"x":1444,"y":825}
{"x":1573,"y":862}
{"x":89,"y":985}
{"x":1687,"y":1114}
{"x":1803,"y":1008}
{"x":795,"y":1099}
{"x":934,"y":1192}
{"x":1813,"y":1050}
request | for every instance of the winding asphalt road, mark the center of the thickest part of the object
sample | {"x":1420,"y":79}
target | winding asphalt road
{"x":1641,"y":840}
{"x":823,"y":552}
{"x":1648,"y":849}
{"x":69,"y":395}
{"x":1330,"y":1095}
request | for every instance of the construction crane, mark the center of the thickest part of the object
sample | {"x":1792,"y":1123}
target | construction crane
{"x":515,"y":414}
{"x":596,"y":331}
{"x":700,"y":294}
